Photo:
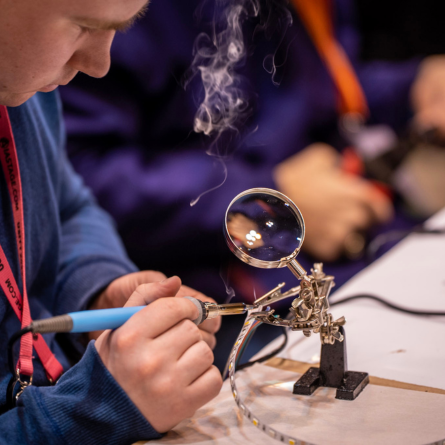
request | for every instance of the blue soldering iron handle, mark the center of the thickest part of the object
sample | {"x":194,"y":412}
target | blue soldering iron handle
{"x":101,"y":319}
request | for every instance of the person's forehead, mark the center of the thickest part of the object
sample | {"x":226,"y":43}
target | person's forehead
{"x":102,"y":12}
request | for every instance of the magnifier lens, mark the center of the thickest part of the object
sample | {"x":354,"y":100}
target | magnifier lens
{"x":263,"y":227}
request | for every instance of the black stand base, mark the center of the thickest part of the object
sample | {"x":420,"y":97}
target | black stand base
{"x":333,"y":373}
{"x":353,"y":384}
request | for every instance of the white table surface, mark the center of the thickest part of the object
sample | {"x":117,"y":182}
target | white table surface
{"x":380,"y":341}
{"x":387,"y":343}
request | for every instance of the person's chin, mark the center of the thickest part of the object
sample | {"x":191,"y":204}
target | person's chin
{"x":48,"y":88}
{"x":14,"y":99}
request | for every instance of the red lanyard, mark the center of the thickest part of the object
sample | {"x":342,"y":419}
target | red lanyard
{"x":10,"y":164}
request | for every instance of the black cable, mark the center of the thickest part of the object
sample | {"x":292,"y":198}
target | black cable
{"x":388,"y":304}
{"x":11,"y":343}
{"x":335,"y":303}
{"x":396,"y":235}
{"x":267,"y":356}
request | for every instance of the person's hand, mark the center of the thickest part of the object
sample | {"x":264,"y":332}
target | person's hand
{"x":428,"y":95}
{"x":209,"y":327}
{"x":159,"y":358}
{"x":118,"y":292}
{"x":334,"y":204}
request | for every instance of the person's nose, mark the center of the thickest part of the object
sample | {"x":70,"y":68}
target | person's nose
{"x":93,"y":57}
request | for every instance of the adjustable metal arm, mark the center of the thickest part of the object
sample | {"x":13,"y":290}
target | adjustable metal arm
{"x":309,"y":310}
{"x":275,"y":295}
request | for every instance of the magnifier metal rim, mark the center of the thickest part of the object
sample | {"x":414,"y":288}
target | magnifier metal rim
{"x":247,"y":258}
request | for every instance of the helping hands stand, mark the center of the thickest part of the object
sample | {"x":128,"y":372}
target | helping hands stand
{"x":265,"y":229}
{"x":310,"y":314}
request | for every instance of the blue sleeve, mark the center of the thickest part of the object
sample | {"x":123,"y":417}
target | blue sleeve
{"x":91,"y":254}
{"x":86,"y":406}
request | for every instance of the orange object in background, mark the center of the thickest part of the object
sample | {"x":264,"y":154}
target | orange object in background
{"x":316,"y":15}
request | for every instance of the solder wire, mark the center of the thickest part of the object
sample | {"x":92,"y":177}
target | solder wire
{"x":249,"y":327}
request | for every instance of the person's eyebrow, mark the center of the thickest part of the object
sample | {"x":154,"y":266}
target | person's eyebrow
{"x":111,"y":26}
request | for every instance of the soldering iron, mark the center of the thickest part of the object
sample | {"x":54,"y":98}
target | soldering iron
{"x":98,"y":320}
{"x":101,"y":319}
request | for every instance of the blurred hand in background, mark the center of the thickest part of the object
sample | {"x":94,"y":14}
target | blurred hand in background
{"x":428,"y":95}
{"x":334,"y":204}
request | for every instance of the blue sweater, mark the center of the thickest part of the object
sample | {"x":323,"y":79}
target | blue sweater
{"x":72,"y":252}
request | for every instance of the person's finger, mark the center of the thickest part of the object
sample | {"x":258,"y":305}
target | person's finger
{"x":350,"y":187}
{"x":429,"y":83}
{"x":159,"y":316}
{"x":204,"y":388}
{"x":322,"y":155}
{"x":328,"y":245}
{"x":145,"y":276}
{"x":212,"y":326}
{"x":380,"y":206}
{"x":356,"y":217}
{"x":367,"y":194}
{"x":139,"y":296}
{"x":186,"y":291}
{"x":184,"y":335}
{"x":148,"y":292}
{"x":195,"y":361}
{"x":432,"y":117}
{"x":118,"y":292}
{"x":208,"y":337}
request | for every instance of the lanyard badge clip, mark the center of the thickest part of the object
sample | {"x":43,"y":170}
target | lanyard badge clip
{"x":11,"y":396}
{"x":23,"y":384}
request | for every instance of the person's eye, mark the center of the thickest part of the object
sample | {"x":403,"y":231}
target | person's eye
{"x":85,"y":30}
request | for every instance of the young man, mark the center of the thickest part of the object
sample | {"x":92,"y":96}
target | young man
{"x":143,"y":378}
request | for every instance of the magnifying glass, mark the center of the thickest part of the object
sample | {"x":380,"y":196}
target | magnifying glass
{"x":265,"y":229}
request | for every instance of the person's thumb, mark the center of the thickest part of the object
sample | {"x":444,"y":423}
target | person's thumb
{"x":133,"y":280}
{"x":146,"y":293}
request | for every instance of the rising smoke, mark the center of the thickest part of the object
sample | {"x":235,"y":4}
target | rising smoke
{"x":217,"y":56}
{"x":216,"y":60}
{"x":226,"y":104}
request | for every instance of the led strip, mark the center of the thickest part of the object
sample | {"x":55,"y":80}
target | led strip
{"x":271,"y":432}
{"x":262,"y":426}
